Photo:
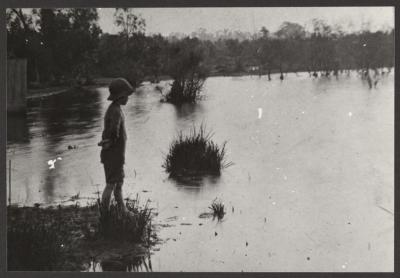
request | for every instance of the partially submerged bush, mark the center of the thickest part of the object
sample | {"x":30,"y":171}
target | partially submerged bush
{"x":187,"y":70}
{"x":195,"y":154}
{"x":134,"y":226}
{"x":185,"y":90}
{"x":218,"y":209}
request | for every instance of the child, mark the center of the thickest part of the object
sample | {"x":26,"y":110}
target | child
{"x":114,"y":141}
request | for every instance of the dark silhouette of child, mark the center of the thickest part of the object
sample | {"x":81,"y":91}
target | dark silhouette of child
{"x":114,"y":142}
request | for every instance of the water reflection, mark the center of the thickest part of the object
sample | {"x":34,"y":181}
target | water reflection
{"x":130,"y":263}
{"x":17,"y":128}
{"x":195,"y":183}
{"x":70,"y":113}
{"x":189,"y":111}
{"x":139,"y":107}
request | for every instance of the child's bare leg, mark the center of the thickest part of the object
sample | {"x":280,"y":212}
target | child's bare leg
{"x":106,"y":197}
{"x":118,"y":196}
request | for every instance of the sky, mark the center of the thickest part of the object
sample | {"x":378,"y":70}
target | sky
{"x":188,"y":20}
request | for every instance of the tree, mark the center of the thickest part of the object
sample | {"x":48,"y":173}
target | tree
{"x":131,"y":61}
{"x":264,"y":32}
{"x":128,"y":22}
{"x":155,"y":56}
{"x":234,"y":50}
{"x":288,"y":40}
{"x":60,"y":44}
{"x":23,"y":40}
{"x":265,"y":52}
{"x":85,"y":33}
{"x":322,"y":46}
{"x":289,"y":30}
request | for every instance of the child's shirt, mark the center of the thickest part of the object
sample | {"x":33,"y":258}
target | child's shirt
{"x":114,"y":136}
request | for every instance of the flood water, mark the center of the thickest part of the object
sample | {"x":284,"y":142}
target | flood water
{"x":311,"y":188}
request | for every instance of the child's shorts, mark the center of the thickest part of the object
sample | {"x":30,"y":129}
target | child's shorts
{"x":114,"y":172}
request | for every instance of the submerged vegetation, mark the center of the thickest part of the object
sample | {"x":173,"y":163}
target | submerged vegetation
{"x":69,"y":237}
{"x":195,"y":154}
{"x":218,"y":209}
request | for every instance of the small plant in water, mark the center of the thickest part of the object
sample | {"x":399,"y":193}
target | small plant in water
{"x":218,"y":209}
{"x":195,"y":154}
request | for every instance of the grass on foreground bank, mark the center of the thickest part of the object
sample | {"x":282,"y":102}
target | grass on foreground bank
{"x":69,"y":238}
{"x":195,"y":154}
{"x":134,"y":228}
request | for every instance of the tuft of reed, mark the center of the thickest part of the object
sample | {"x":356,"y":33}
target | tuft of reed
{"x":134,"y":225}
{"x":218,"y":209}
{"x":195,"y":154}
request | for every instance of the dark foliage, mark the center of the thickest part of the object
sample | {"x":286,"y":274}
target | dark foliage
{"x":66,"y":46}
{"x":59,"y":44}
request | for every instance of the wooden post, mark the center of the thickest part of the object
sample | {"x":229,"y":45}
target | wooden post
{"x":9,"y":182}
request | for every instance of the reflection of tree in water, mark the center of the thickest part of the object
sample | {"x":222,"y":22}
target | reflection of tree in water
{"x":70,"y":113}
{"x":65,"y":114}
{"x":51,"y":178}
{"x":17,"y":128}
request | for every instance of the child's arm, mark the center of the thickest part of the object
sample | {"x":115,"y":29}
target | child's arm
{"x":112,"y":128}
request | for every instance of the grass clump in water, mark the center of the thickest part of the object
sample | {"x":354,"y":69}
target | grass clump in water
{"x":218,"y":209}
{"x":195,"y":154}
{"x":134,"y":225}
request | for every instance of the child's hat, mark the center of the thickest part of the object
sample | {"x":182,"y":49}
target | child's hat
{"x":119,"y":87}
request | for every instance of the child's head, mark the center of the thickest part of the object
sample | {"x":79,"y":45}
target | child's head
{"x":122,"y":100}
{"x":120,"y":90}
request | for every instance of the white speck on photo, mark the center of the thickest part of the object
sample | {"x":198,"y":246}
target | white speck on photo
{"x":260,"y":113}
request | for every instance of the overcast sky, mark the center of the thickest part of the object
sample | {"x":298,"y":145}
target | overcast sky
{"x":187,"y":20}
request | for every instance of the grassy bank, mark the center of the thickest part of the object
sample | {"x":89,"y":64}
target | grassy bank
{"x":71,"y":238}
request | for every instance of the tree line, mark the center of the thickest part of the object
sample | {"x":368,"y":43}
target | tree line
{"x":65,"y":46}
